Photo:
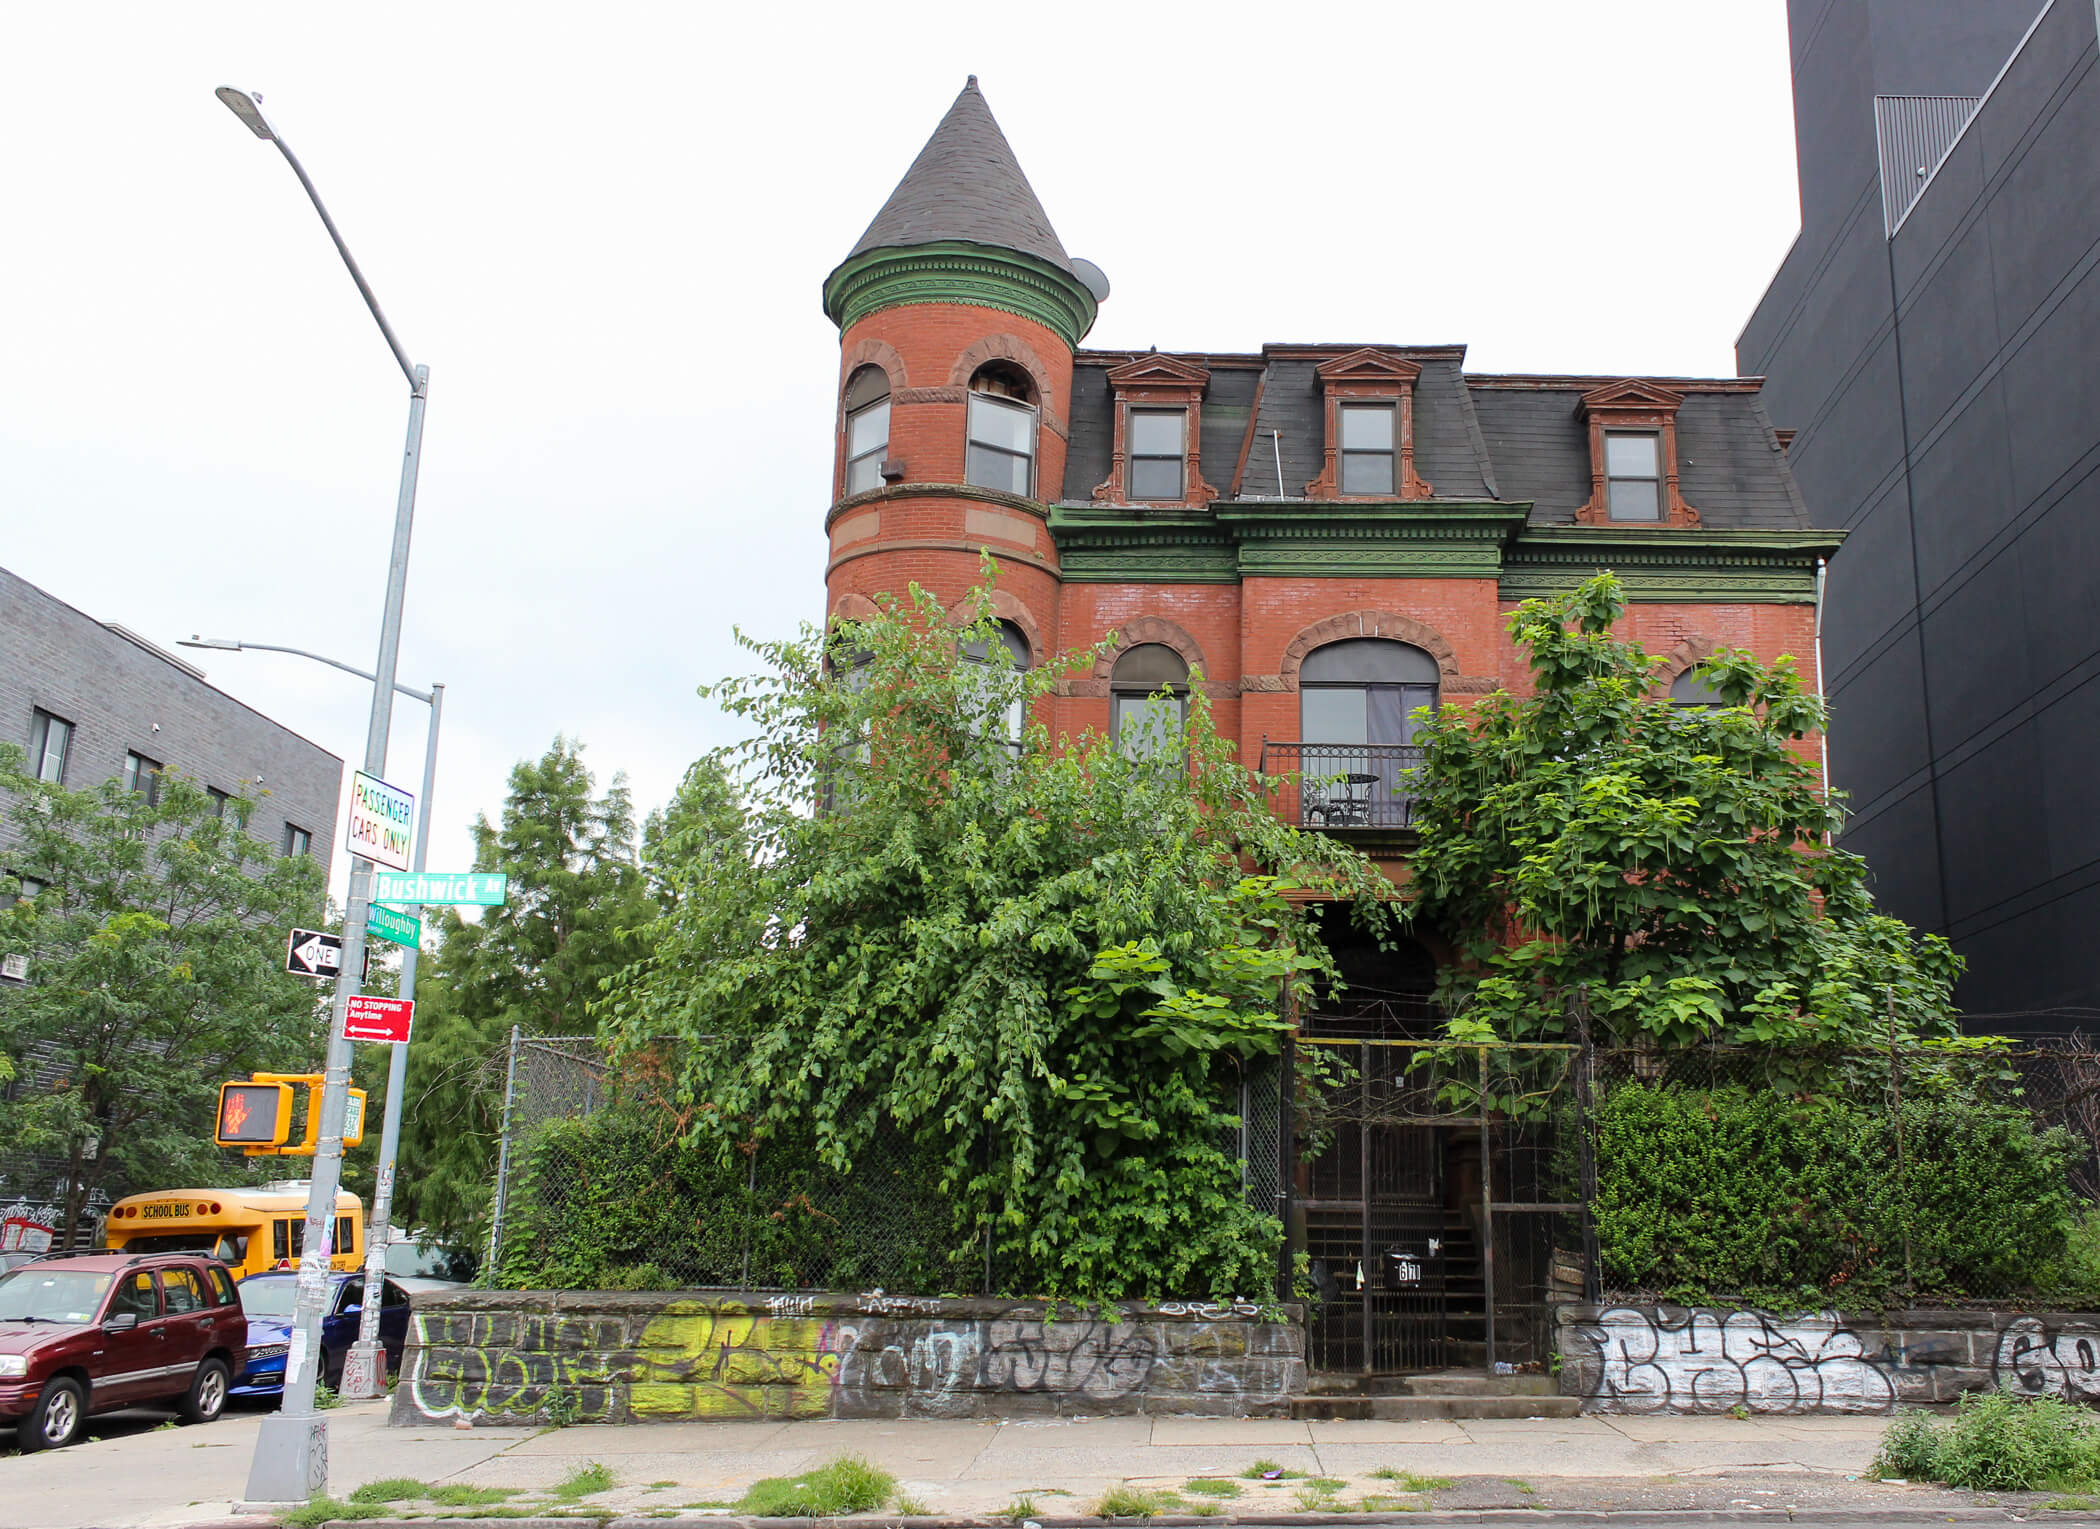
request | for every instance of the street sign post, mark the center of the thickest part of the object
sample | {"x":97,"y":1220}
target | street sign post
{"x":484,"y":889}
{"x":390,"y":925}
{"x":310,"y":953}
{"x":379,"y":1019}
{"x":381,"y":817}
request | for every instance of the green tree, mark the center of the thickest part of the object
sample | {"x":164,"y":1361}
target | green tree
{"x":156,"y":972}
{"x":1672,"y":862}
{"x":536,"y":963}
{"x":1037,"y":966}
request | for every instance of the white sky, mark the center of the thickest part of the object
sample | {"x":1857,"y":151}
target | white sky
{"x":604,"y":229}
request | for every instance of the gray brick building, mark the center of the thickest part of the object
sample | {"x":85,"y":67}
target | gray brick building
{"x":92,"y":702}
{"x":89,"y":698}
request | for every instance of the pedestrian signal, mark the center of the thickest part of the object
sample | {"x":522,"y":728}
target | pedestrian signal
{"x":254,"y":1114}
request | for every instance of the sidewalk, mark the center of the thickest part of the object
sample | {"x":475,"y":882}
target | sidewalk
{"x":137,"y":1476}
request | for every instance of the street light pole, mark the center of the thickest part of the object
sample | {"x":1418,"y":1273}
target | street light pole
{"x":361,"y":1372}
{"x":291,"y":1449}
{"x":364,"y":1368}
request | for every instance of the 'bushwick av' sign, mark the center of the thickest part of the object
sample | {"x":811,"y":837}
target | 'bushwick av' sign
{"x":380,"y":818}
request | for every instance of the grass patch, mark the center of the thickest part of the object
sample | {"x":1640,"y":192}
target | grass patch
{"x":1130,"y":1502}
{"x":658,"y":1486}
{"x":1312,"y":1498}
{"x":1269,"y":1470}
{"x":1408,"y":1481}
{"x":322,"y":1509}
{"x":582,"y":1482}
{"x":849,"y":1484}
{"x":393,"y":1489}
{"x":1520,"y":1484}
{"x":910,"y":1507}
{"x":461,"y":1495}
{"x":1206,"y":1509}
{"x":1326,"y":1484}
{"x":494,"y":1513}
{"x":325,"y":1397}
{"x":1211,"y":1486}
{"x":1020,"y":1508}
{"x":2076,"y":1503}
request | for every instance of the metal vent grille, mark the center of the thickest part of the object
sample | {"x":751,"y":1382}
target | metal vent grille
{"x":1912,"y":135}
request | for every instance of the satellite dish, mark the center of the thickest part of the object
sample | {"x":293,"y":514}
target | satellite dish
{"x":1093,"y":278}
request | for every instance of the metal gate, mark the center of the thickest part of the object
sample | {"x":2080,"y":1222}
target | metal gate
{"x":1429,"y":1199}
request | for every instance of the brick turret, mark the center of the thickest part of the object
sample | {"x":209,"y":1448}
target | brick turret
{"x":958,"y":312}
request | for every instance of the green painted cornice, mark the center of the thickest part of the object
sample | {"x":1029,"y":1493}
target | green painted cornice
{"x":1670,"y":564}
{"x":1455,"y":539}
{"x":952,"y":271}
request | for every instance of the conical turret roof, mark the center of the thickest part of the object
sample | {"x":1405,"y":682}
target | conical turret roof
{"x":966,"y":185}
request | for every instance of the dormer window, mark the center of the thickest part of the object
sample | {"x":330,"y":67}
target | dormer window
{"x":1368,"y":399}
{"x":1158,"y":453}
{"x":1633,"y":474}
{"x":1632,"y":428}
{"x":1367,"y":448}
{"x":867,"y":428}
{"x":1002,"y":430}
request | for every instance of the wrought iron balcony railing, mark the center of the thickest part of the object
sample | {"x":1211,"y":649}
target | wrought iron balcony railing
{"x":1345,"y":785}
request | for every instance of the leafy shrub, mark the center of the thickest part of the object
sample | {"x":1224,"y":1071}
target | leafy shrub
{"x":1999,"y":1442}
{"x":1745,"y":1193}
{"x":1910,"y":1449}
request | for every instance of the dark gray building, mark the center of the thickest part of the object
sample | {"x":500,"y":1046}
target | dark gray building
{"x":1931,"y":338}
{"x":92,"y":702}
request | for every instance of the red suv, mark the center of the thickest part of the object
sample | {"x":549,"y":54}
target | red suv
{"x":105,"y":1330}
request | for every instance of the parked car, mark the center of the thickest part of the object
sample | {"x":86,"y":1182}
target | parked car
{"x":268,"y":1300}
{"x":92,"y":1333}
{"x":420,"y":1265}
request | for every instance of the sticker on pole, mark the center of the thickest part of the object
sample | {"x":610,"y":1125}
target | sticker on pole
{"x":380,"y":819}
{"x":379,"y":1019}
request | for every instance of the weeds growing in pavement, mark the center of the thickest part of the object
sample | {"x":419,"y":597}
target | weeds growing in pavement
{"x":462,"y":1495}
{"x":324,"y":1509}
{"x":393,"y":1489}
{"x":1996,"y":1442}
{"x":1211,"y":1486}
{"x":1408,"y":1481}
{"x":849,"y":1484}
{"x":583,"y":1481}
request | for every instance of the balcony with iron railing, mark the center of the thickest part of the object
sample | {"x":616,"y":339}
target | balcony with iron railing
{"x":1345,"y":787}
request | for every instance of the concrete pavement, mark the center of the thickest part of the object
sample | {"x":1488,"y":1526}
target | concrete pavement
{"x":137,"y":1475}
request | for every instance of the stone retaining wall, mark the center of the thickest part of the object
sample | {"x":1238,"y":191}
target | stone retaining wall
{"x":611,"y":1357}
{"x":1698,"y":1359}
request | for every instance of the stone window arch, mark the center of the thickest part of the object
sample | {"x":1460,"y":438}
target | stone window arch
{"x":1148,"y":701}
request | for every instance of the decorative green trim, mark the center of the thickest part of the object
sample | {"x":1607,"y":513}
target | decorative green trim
{"x":951,"y":271}
{"x":1451,"y":539}
{"x":1671,"y":564}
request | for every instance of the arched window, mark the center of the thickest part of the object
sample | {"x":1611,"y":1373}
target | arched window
{"x":1002,"y":429}
{"x":999,"y":686}
{"x":1148,"y":702}
{"x":1357,"y":701}
{"x":1691,"y":689}
{"x":867,"y":428}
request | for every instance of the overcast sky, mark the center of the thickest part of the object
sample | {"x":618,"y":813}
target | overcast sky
{"x":604,"y":229}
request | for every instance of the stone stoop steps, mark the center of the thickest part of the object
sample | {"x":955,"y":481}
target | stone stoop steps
{"x":1439,"y":1394}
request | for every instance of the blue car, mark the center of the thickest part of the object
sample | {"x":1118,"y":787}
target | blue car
{"x":267,"y":1299}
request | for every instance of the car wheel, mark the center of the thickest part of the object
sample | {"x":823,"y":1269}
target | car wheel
{"x":207,"y":1394}
{"x":57,"y":1418}
{"x":331,"y":1370}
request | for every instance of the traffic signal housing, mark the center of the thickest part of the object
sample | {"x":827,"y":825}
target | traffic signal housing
{"x":257,"y":1116}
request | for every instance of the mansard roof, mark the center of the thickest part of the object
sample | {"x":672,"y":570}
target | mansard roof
{"x":1515,"y":439}
{"x":966,"y":185}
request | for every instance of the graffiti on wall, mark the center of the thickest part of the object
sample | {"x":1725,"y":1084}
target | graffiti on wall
{"x":2036,"y":1360}
{"x":786,"y":1357}
{"x":1711,"y":1361}
{"x":485,"y":1365}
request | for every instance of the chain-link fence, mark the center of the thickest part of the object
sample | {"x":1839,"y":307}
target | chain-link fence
{"x":1442,"y":1197}
{"x":591,"y":1195}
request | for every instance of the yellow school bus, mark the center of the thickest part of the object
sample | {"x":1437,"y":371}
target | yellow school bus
{"x":250,"y":1230}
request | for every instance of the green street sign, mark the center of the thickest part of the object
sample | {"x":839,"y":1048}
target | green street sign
{"x":390,"y":925}
{"x":482,"y":889}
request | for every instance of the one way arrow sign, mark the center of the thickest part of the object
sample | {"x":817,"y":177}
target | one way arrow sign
{"x":310,"y":953}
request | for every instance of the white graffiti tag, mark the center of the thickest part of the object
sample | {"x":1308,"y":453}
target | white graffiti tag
{"x":1711,"y":1361}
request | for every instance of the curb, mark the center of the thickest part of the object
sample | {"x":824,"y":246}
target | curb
{"x":1663,"y":1518}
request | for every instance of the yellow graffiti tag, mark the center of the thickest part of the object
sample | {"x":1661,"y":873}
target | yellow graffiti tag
{"x":702,"y":1359}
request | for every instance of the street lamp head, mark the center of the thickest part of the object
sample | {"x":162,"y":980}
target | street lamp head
{"x":249,"y":109}
{"x":194,"y":641}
